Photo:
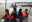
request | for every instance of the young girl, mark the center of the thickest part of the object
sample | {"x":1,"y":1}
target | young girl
{"x":14,"y":17}
{"x":6,"y":17}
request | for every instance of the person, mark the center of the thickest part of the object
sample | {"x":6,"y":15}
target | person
{"x":20,"y":14}
{"x":13,"y":15}
{"x":6,"y":17}
{"x":25,"y":15}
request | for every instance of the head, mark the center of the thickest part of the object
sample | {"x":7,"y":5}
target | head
{"x":20,"y":10}
{"x":26,"y":10}
{"x":7,"y":11}
{"x":13,"y":13}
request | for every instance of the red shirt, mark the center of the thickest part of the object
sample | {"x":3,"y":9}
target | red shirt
{"x":9,"y":17}
{"x":21,"y":14}
{"x":12,"y":17}
{"x":25,"y":14}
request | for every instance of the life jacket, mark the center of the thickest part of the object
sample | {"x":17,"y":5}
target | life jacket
{"x":24,"y":14}
{"x":12,"y":17}
{"x":6,"y":17}
{"x":21,"y":14}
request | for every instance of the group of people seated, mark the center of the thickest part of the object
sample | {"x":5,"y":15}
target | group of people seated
{"x":22,"y":15}
{"x":13,"y":16}
{"x":9,"y":18}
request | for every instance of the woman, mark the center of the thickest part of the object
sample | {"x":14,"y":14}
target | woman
{"x":25,"y":15}
{"x":20,"y":15}
{"x":6,"y":17}
{"x":14,"y":16}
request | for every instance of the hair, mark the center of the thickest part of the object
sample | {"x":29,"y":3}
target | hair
{"x":20,"y":10}
{"x":26,"y":9}
{"x":13,"y":13}
{"x":6,"y":10}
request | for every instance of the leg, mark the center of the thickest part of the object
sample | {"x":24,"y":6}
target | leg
{"x":20,"y":19}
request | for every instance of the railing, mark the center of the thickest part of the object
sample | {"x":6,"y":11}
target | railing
{"x":24,"y":4}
